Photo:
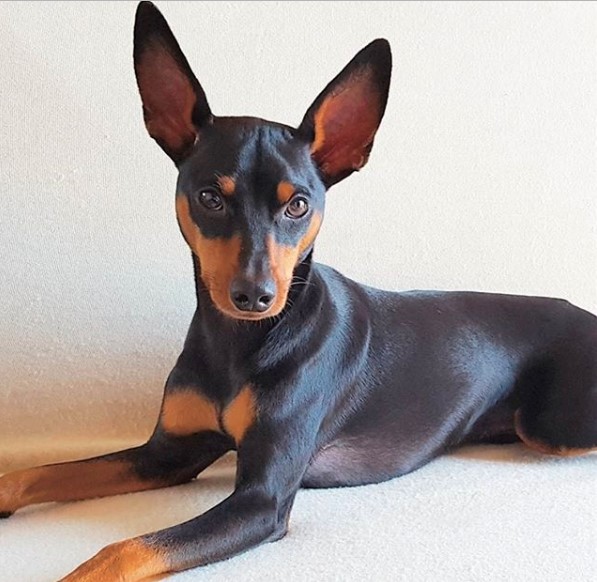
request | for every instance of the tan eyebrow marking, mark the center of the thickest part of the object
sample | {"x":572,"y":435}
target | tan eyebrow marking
{"x":284,"y":191}
{"x":227,"y":185}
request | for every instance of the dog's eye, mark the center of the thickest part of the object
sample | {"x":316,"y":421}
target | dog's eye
{"x":297,"y":207}
{"x":211,"y":200}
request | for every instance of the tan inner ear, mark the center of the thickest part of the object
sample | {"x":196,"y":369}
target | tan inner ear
{"x":168,"y":99}
{"x":345,"y":125}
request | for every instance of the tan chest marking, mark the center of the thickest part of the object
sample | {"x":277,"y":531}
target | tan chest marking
{"x":240,"y":414}
{"x":187,"y":412}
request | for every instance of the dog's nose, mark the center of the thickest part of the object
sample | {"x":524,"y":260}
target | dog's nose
{"x":251,"y":296}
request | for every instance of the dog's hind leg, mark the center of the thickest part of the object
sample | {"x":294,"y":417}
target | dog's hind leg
{"x":558,"y":412}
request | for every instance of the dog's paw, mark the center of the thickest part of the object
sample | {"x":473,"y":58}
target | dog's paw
{"x":9,"y":494}
{"x":103,"y":567}
{"x":129,"y":560}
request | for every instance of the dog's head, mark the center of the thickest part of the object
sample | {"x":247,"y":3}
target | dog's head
{"x":250,"y":193}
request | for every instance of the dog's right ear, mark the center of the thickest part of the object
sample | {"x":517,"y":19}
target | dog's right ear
{"x":174,"y":104}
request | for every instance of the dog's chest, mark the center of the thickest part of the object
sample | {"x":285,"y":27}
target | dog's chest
{"x":190,"y":411}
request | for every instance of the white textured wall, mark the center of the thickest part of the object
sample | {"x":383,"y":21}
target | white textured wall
{"x":483,"y":177}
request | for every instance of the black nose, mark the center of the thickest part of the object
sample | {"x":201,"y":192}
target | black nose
{"x":250,"y":296}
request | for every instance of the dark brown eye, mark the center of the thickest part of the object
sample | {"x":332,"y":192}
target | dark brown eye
{"x":297,"y":207}
{"x":211,"y":200}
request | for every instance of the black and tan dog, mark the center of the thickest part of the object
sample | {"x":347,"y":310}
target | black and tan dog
{"x":315,"y":380}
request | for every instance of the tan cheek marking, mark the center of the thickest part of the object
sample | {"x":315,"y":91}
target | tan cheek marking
{"x":187,"y":412}
{"x":129,"y":560}
{"x":219,"y":257}
{"x":189,"y":229}
{"x":311,"y":233}
{"x":240,"y":414}
{"x":283,"y":259}
{"x":284,"y":191}
{"x":545,"y":448}
{"x":227,"y":185}
{"x":219,"y":260}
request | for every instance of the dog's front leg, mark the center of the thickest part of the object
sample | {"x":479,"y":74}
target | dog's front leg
{"x":186,"y":440}
{"x":164,"y":460}
{"x":272,"y":458}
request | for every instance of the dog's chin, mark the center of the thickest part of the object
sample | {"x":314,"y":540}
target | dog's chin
{"x":231,"y":312}
{"x":246,"y":316}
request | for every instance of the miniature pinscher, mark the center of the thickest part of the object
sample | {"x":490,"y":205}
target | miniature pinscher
{"x":315,"y":380}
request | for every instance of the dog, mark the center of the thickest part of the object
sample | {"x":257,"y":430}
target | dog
{"x":315,"y":380}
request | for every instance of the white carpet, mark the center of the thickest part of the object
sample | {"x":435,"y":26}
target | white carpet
{"x":483,"y":514}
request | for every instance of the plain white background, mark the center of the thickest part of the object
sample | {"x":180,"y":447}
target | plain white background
{"x":483,"y":177}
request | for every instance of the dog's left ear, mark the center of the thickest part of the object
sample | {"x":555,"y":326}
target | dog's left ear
{"x":341,"y":123}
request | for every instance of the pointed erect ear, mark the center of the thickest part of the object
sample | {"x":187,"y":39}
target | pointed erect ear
{"x":174,"y":104}
{"x":341,"y":123}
